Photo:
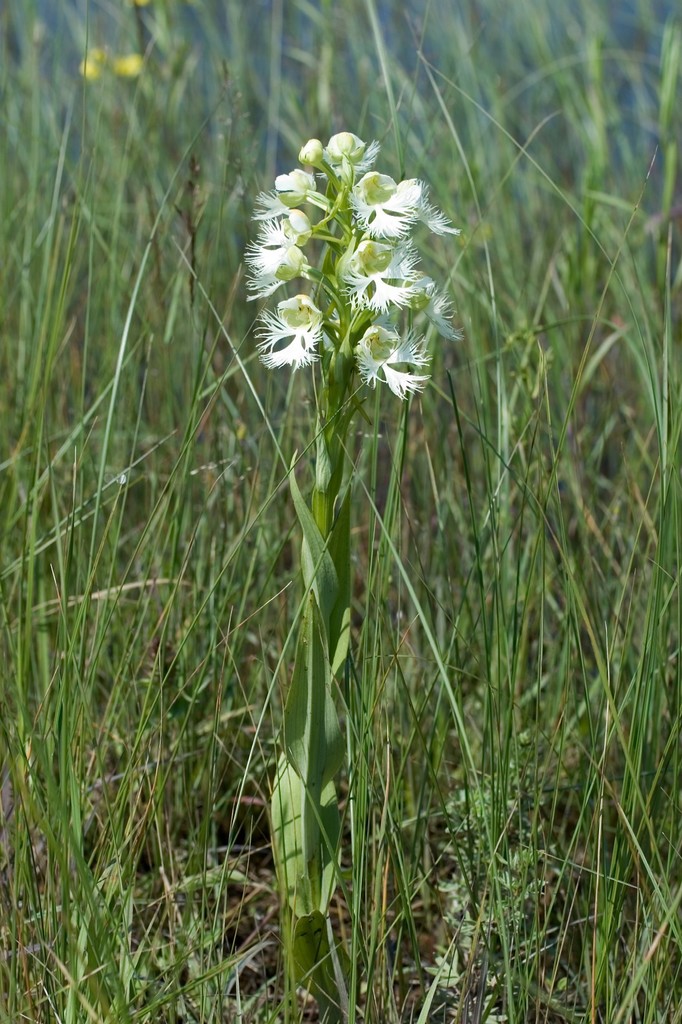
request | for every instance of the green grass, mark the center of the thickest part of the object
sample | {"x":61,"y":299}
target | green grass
{"x":514,"y":700}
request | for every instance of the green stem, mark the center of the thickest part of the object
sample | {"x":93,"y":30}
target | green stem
{"x":332,"y":434}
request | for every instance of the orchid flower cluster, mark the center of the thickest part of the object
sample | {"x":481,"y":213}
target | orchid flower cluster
{"x":367,"y":277}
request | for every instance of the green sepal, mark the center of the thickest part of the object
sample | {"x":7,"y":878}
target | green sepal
{"x":305,"y":843}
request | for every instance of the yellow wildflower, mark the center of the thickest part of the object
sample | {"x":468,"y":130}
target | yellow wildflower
{"x":91,"y":67}
{"x":128,"y":66}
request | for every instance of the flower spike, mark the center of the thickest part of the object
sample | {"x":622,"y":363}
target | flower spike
{"x":382,"y":355}
{"x":368,"y":280}
{"x":298,"y":319}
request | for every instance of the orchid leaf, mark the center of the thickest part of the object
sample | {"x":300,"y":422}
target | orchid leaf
{"x":305,"y":843}
{"x":312,"y":735}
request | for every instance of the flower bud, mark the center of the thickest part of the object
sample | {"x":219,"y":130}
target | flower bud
{"x":312,"y":153}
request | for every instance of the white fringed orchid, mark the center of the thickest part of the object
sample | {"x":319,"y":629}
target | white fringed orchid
{"x":378,"y":275}
{"x":290,"y":191}
{"x":359,"y":325}
{"x":297,"y":320}
{"x":273,"y":260}
{"x":383,"y":355}
{"x":386,"y":209}
{"x":266,"y":255}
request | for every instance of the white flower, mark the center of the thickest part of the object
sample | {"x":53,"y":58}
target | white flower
{"x":295,"y":188}
{"x":274,"y":259}
{"x":435,"y":305}
{"x":378,"y":274}
{"x":297,"y":319}
{"x":383,"y":355}
{"x":290,"y":190}
{"x":265,"y":255}
{"x":385,"y":209}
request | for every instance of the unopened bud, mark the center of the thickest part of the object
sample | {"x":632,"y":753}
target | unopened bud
{"x":312,"y":153}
